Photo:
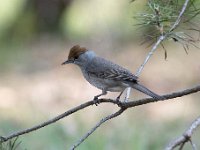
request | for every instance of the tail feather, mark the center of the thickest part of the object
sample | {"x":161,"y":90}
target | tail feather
{"x":146,"y":91}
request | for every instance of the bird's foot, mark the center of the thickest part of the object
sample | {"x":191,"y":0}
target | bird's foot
{"x":96,"y":100}
{"x":118,"y":100}
{"x":126,"y":99}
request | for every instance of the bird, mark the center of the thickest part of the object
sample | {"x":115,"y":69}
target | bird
{"x":104,"y":74}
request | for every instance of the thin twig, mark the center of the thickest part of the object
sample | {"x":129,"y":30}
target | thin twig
{"x":193,"y":145}
{"x":123,"y":105}
{"x":84,"y":137}
{"x":155,"y":46}
{"x":159,"y":41}
{"x":175,"y":25}
{"x":186,"y":137}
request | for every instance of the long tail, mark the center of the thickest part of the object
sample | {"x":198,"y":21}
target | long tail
{"x":144,"y":90}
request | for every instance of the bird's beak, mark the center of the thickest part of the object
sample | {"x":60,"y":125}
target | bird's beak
{"x":68,"y":62}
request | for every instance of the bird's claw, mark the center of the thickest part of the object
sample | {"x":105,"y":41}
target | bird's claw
{"x":118,"y":100}
{"x":96,"y":100}
{"x":126,"y":100}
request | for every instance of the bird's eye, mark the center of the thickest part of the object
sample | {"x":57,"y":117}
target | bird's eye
{"x":76,"y":57}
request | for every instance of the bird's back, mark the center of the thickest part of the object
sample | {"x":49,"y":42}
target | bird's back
{"x":106,"y":69}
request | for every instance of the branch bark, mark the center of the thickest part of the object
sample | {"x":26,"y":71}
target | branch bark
{"x":119,"y":112}
{"x":175,"y":25}
{"x":185,"y":137}
{"x":65,"y":114}
{"x":122,"y":105}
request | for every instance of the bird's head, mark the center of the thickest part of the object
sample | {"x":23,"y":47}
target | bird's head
{"x":78,"y":55}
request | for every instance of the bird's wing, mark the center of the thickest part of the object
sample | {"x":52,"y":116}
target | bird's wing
{"x":107,"y":70}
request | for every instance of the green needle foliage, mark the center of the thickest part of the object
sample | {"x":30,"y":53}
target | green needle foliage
{"x":160,"y":15}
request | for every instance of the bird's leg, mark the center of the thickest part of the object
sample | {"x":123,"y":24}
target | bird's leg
{"x":118,"y":97}
{"x":96,"y":100}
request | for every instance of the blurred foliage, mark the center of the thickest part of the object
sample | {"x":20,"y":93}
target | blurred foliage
{"x":13,"y":144}
{"x":30,"y":19}
{"x":9,"y":10}
{"x":97,"y":17}
{"x":72,"y":19}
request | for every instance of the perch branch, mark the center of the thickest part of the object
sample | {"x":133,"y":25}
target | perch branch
{"x":122,"y":105}
{"x":67,"y":113}
{"x":185,"y":137}
{"x":125,"y":105}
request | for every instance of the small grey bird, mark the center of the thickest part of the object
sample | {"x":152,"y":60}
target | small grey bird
{"x":105,"y":74}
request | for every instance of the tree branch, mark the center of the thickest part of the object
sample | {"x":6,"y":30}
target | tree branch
{"x":122,"y":105}
{"x":67,"y":113}
{"x":81,"y":140}
{"x":166,"y":97}
{"x":175,"y":25}
{"x":158,"y":42}
{"x":186,"y":137}
{"x":125,"y":105}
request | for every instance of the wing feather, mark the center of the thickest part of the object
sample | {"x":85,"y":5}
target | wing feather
{"x":105,"y":69}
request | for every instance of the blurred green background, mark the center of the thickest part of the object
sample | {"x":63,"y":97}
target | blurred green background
{"x":35,"y":38}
